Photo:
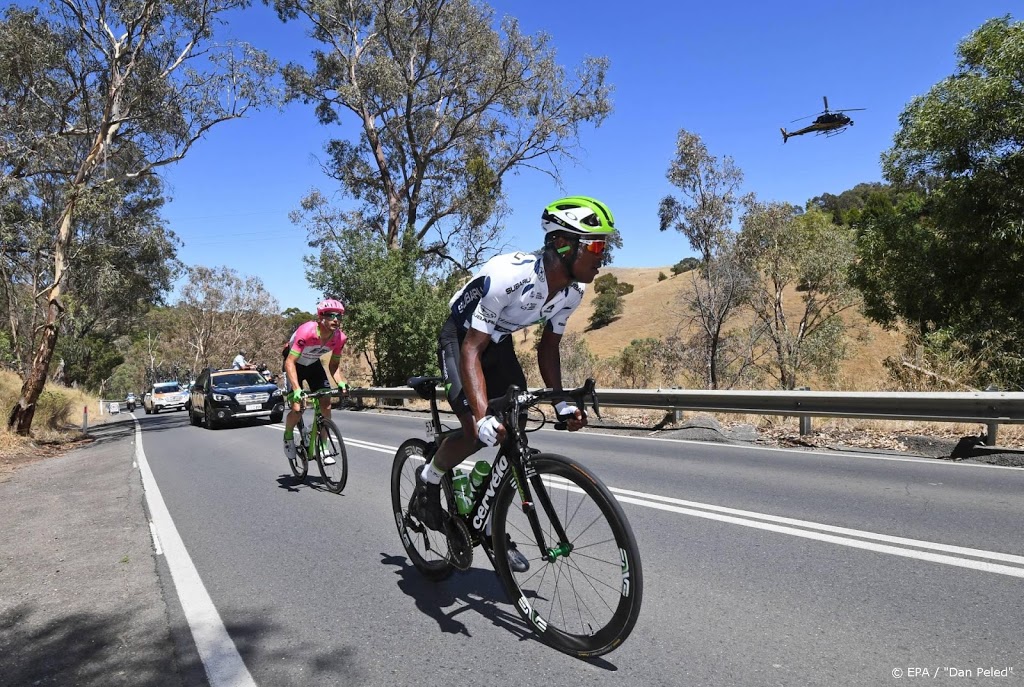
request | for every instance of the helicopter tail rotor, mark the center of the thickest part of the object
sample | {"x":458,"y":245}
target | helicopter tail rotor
{"x":785,"y":136}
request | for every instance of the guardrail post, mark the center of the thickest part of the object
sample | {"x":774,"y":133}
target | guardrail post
{"x":805,"y":420}
{"x":677,"y":415}
{"x":85,"y":419}
{"x":991,"y":432}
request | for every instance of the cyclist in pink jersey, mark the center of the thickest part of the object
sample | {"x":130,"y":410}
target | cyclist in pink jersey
{"x":302,"y":363}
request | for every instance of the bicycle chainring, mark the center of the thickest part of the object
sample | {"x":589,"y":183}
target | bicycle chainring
{"x":460,"y":546}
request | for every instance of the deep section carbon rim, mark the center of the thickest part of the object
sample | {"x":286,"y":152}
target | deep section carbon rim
{"x":427,"y":549}
{"x":585,"y":598}
{"x":299,"y":462}
{"x":332,"y":445}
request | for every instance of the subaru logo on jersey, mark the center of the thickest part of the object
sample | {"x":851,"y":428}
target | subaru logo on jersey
{"x":516,"y":286}
{"x":472,"y":293}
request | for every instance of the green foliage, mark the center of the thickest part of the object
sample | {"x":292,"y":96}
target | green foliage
{"x":637,"y":362}
{"x":961,"y":146}
{"x":840,"y":207}
{"x":96,"y":97}
{"x":446,"y":105}
{"x":293,"y":317}
{"x":685,"y":265}
{"x":807,"y":251}
{"x":89,"y":360}
{"x":607,"y":306}
{"x":609,"y":282}
{"x":662,"y":276}
{"x":393,"y":310}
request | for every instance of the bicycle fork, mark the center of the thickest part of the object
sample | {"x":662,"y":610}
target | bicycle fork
{"x":523,"y":474}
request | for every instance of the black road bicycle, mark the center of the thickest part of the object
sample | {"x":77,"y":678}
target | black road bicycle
{"x":328,"y":445}
{"x":584,"y":586}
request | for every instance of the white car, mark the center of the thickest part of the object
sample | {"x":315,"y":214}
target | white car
{"x":165,"y":396}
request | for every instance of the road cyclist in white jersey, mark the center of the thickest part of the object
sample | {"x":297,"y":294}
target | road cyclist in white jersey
{"x":475,"y":351}
{"x":302,"y":363}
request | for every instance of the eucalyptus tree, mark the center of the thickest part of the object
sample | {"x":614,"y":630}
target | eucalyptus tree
{"x":97,"y":93}
{"x":809,"y":255}
{"x":963,"y":143}
{"x":439,"y":103}
{"x":709,"y":196}
{"x":223,"y":313}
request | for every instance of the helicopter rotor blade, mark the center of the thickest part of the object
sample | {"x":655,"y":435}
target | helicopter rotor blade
{"x":851,"y":109}
{"x":803,"y":118}
{"x":825,"y":99}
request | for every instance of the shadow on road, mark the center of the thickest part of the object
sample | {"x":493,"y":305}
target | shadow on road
{"x":477,"y":589}
{"x":79,"y":649}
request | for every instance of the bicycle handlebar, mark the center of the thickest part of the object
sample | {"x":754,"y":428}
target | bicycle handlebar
{"x":323,"y":392}
{"x":515,"y":399}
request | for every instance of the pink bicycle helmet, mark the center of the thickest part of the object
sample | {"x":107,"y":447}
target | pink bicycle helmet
{"x":330,"y":305}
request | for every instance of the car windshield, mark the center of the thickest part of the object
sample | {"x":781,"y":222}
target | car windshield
{"x":166,"y":389}
{"x":239,"y":379}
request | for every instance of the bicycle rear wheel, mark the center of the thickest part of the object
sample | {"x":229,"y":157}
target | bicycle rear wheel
{"x":585,"y":600}
{"x":331,"y":445}
{"x":427,"y":549}
{"x":299,"y":463}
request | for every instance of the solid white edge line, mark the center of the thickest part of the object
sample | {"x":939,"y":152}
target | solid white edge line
{"x":221,"y":660}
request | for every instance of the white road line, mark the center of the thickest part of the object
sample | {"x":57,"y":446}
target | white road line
{"x":790,"y":526}
{"x":224,"y":666}
{"x":805,"y":452}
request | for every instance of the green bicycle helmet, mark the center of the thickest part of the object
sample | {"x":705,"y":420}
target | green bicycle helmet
{"x":579,"y":215}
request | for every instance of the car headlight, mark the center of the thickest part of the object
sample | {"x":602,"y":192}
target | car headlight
{"x":277,"y":392}
{"x":221,"y":397}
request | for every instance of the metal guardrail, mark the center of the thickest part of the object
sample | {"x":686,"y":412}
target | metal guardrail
{"x":991,"y":408}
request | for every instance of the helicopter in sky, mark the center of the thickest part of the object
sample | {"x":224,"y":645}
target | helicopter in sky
{"x":828,"y":122}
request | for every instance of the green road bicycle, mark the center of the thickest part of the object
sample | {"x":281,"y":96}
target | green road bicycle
{"x":583,"y":590}
{"x":329,"y":444}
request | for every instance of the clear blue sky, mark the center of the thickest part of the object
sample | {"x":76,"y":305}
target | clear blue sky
{"x":731,"y":72}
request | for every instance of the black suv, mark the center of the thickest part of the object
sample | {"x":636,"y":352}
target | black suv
{"x":219,"y":396}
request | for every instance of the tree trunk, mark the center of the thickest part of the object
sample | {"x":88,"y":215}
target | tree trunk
{"x":20,"y":419}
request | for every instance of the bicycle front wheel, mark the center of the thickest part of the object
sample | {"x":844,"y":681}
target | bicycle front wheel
{"x":582,"y":596}
{"x":330,"y":445}
{"x":427,"y":549}
{"x":299,"y":463}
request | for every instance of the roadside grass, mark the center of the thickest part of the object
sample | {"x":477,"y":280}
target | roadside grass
{"x":57,"y":423}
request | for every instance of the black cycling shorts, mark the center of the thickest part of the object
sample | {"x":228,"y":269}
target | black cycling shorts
{"x":314,"y":375}
{"x":500,"y":365}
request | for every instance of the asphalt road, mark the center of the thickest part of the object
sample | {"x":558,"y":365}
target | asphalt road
{"x":761,"y":566}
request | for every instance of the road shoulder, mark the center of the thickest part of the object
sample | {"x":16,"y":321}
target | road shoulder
{"x":80,"y":597}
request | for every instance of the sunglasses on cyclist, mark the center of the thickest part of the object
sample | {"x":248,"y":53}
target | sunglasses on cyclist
{"x":595,"y":246}
{"x":332,"y":315}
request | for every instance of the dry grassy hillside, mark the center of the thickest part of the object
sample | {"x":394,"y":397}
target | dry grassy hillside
{"x":655,"y":309}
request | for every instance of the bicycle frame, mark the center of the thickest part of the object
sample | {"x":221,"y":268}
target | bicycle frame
{"x":515,"y":454}
{"x":314,"y":428}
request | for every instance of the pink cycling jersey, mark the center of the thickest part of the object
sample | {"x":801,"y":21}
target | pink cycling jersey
{"x":306,"y":346}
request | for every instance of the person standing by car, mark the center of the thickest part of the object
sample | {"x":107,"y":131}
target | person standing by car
{"x":302,"y":364}
{"x":239,"y":363}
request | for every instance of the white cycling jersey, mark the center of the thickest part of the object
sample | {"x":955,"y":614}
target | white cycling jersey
{"x":509,"y":293}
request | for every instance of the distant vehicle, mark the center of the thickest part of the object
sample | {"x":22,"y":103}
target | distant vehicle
{"x":114,"y":408}
{"x":828,"y":122}
{"x":220,"y":396}
{"x":165,"y":396}
{"x":129,"y":401}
